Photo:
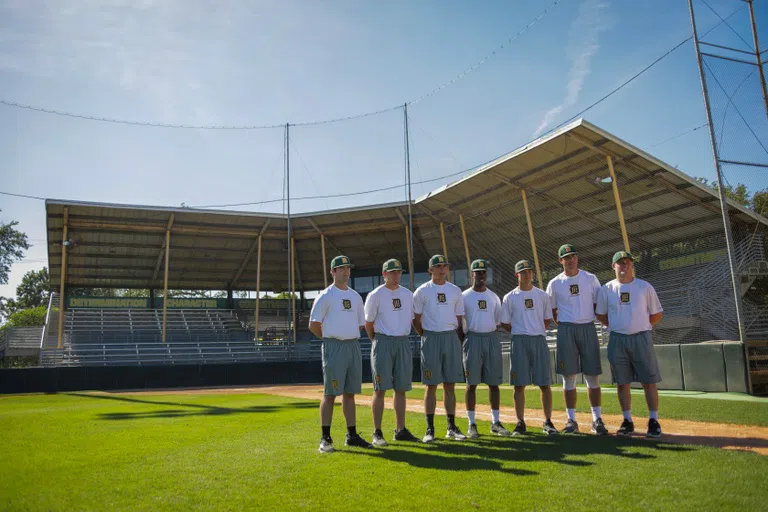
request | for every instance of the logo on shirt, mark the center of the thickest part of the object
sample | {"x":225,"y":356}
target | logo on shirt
{"x":482,"y":305}
{"x":574,"y":289}
{"x":396,"y":304}
{"x":346,"y":303}
{"x":625,"y":297}
{"x":528,"y":303}
{"x":441,"y":298}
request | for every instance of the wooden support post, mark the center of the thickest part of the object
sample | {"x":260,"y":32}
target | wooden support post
{"x":323,"y":266}
{"x":258,"y":290}
{"x":411,"y":272}
{"x":466,"y":248}
{"x":293,"y":285}
{"x":619,"y":210}
{"x":533,"y":239}
{"x":445,"y":247}
{"x":165,"y":279}
{"x":62,"y":289}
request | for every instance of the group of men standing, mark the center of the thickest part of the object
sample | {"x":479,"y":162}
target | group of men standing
{"x":459,"y":343}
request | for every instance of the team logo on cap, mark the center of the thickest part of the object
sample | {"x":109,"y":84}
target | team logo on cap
{"x":441,"y":298}
{"x":481,"y":264}
{"x":346,"y":303}
{"x":396,"y":304}
{"x":528,"y":303}
{"x":625,"y":297}
{"x":481,"y":304}
{"x":335,"y":384}
{"x":440,"y":259}
{"x":427,"y":374}
{"x":574,"y":289}
{"x":344,"y":260}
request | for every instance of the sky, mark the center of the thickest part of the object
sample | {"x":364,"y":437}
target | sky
{"x":480,"y":80}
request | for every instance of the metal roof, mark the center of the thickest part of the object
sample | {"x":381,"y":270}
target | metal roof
{"x":563,"y":174}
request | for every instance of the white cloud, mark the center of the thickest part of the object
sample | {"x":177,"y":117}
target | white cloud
{"x":583,"y":44}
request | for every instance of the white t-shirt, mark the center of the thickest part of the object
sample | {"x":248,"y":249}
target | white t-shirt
{"x":628,"y":305}
{"x":391,"y":311}
{"x":340,"y":311}
{"x":574,"y":297}
{"x":526,"y":311}
{"x":482,"y":310}
{"x":439,"y":306}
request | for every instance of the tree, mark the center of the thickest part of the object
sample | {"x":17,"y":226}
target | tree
{"x":13,"y":243}
{"x":32,"y":292}
{"x":757,"y":201}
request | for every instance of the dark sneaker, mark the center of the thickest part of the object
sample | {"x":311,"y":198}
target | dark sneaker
{"x":598,"y":427}
{"x":498,"y":429}
{"x":472,"y":433}
{"x":357,"y":440}
{"x":405,"y":435}
{"x":326,"y":444}
{"x":571,"y":427}
{"x":654,"y":429}
{"x":519,"y":429}
{"x":378,"y":439}
{"x":455,"y":434}
{"x":626,"y":428}
{"x":429,"y":437}
{"x":549,"y":429}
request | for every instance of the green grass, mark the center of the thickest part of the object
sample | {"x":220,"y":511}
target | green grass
{"x":673,"y":407}
{"x":241,"y":452}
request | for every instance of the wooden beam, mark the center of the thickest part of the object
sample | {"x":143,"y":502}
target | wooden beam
{"x":323,"y":234}
{"x":162,"y":250}
{"x":466,"y":245}
{"x":258,"y":289}
{"x":445,"y":247}
{"x":418,"y":240}
{"x":249,"y":254}
{"x":617,"y":198}
{"x":165,"y":279}
{"x":293,"y":285}
{"x":325,"y":271}
{"x":533,"y":240}
{"x":62,"y":289}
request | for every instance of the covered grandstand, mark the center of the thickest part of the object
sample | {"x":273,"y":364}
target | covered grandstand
{"x":578,"y":184}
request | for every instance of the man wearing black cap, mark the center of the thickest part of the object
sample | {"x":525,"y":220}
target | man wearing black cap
{"x":573,"y":295}
{"x":482,"y":349}
{"x":525,"y":312}
{"x":630,"y":308}
{"x":336,"y":318}
{"x":438,"y":308}
{"x":388,"y":317}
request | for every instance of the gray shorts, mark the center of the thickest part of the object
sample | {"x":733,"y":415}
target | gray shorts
{"x":441,"y":358}
{"x":529,"y":361}
{"x":342,"y":366}
{"x":482,"y":359}
{"x":578,"y":350}
{"x":391,"y":363}
{"x":633,"y":358}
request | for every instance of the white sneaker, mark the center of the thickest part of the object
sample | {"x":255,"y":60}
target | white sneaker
{"x":455,"y":434}
{"x":326,"y":445}
{"x":429,"y":437}
{"x":498,"y":429}
{"x":378,"y":439}
{"x":472,"y":432}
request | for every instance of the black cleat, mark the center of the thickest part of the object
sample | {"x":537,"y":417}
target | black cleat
{"x":654,"y":429}
{"x":571,"y":427}
{"x":549,"y":429}
{"x":519,"y":429}
{"x":405,"y":435}
{"x":626,"y":428}
{"x":598,"y":427}
{"x":357,"y":440}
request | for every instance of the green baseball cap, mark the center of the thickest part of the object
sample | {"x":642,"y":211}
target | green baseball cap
{"x":392,"y":265}
{"x":566,"y":250}
{"x":437,"y":259}
{"x":621,"y":255}
{"x":341,"y":261}
{"x":479,"y":265}
{"x":523,"y":265}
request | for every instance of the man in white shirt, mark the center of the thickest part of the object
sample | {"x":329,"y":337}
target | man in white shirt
{"x":336,"y":318}
{"x":388,"y":319}
{"x":573,"y":296}
{"x":525,"y":312}
{"x":438,"y":308}
{"x":482,"y":348}
{"x":630,"y":308}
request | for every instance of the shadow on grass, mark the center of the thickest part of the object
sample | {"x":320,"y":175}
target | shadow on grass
{"x":186,"y":409}
{"x":498,"y":453}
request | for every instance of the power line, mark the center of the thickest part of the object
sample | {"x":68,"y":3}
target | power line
{"x":677,"y":136}
{"x":22,"y":195}
{"x":152,"y":124}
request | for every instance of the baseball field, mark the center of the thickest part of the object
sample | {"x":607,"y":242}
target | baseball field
{"x":256,"y":448}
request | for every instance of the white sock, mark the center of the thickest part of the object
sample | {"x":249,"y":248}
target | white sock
{"x":495,"y":414}
{"x":654,"y":415}
{"x":627,"y":414}
{"x":596,"y":412}
{"x":471,"y":416}
{"x":571,"y":414}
